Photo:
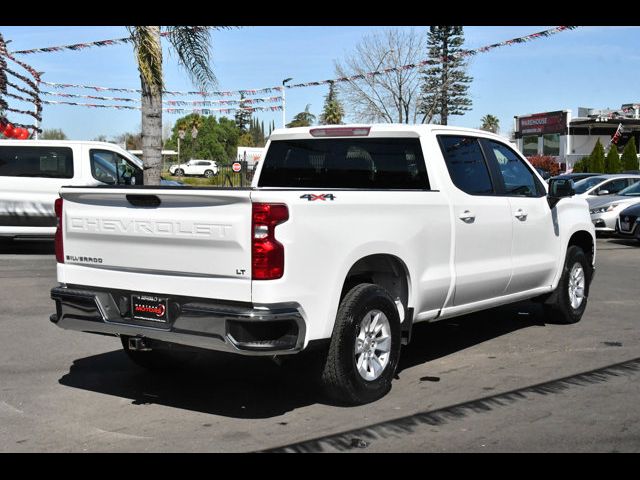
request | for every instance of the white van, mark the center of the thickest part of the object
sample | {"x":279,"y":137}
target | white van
{"x":32,"y":172}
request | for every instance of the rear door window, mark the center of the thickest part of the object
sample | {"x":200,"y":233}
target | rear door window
{"x":466,"y":164}
{"x":42,"y":162}
{"x":110,"y":168}
{"x":363,"y":163}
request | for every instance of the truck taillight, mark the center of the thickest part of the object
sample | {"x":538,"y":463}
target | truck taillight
{"x":57,"y":206}
{"x":267,"y":254}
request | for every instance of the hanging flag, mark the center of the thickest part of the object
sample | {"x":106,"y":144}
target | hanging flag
{"x":617,"y":135}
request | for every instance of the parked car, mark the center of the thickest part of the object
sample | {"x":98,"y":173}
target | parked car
{"x":605,"y":184}
{"x":32,"y":172}
{"x":201,"y":168}
{"x":628,"y":225}
{"x":605,"y":210}
{"x":346,"y":238}
{"x":545,"y":174}
{"x":576,"y":176}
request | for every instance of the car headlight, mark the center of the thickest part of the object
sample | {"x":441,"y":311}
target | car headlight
{"x":609,"y":208}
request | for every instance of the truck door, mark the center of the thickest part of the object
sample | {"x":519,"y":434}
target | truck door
{"x":536,"y":244}
{"x":482,"y":219}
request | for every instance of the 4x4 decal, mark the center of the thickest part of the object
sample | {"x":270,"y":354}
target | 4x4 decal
{"x":323,"y":196}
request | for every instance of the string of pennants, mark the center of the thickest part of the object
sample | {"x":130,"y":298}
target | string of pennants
{"x":204,"y":103}
{"x":465,"y":53}
{"x":203,"y":111}
{"x":30,"y":87}
{"x":167,"y":92}
{"x":85,"y":45}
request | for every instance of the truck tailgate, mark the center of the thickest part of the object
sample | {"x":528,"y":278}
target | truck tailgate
{"x":192,"y":242}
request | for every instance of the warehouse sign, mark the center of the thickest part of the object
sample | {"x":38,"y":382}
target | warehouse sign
{"x":541,"y":123}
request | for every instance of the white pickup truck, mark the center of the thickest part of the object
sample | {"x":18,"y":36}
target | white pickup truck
{"x":347,"y":237}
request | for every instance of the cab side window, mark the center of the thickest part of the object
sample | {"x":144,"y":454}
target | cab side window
{"x":466,"y":164}
{"x":518,"y":179}
{"x":110,"y":168}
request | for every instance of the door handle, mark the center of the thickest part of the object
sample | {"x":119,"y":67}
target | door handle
{"x":521,"y":215}
{"x":467,"y":216}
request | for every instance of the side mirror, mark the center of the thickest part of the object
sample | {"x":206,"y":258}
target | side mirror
{"x":559,"y":188}
{"x":603,"y":192}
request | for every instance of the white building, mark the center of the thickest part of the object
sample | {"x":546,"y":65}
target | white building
{"x":570,"y":138}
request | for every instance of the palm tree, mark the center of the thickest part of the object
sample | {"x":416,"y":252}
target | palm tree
{"x":490,"y":123}
{"x":191,"y":44}
{"x":303,"y":119}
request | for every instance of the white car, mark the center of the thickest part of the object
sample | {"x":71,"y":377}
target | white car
{"x":200,"y":168}
{"x":348,"y":236}
{"x":605,"y":184}
{"x":605,"y":210}
{"x":32,"y":172}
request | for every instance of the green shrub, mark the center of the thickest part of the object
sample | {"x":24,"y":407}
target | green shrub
{"x":612,"y":161}
{"x":596,"y":159}
{"x":629,"y":158}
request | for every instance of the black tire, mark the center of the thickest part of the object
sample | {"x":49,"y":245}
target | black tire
{"x":559,"y":309}
{"x":163,"y":356}
{"x":208,"y":173}
{"x":340,"y":377}
{"x":179,"y":172}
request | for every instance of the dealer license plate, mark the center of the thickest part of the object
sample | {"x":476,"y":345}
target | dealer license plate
{"x":149,"y":308}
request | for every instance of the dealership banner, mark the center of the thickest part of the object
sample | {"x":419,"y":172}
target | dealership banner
{"x":543,"y":123}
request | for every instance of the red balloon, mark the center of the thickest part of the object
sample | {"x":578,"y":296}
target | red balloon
{"x":24,"y":134}
{"x":8,"y":131}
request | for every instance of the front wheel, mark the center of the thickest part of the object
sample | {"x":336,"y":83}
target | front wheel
{"x":365,"y":347}
{"x":179,"y":172}
{"x":208,"y":173}
{"x":570,"y":298}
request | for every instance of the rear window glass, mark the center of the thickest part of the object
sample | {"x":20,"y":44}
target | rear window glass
{"x":46,"y":162}
{"x":369,"y":163}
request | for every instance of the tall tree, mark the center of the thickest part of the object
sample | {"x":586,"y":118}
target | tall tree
{"x":244,"y":119}
{"x":445,"y":83}
{"x":490,"y":123}
{"x":191,"y":44}
{"x":333,"y":112}
{"x":53,"y":134}
{"x":629,"y":156}
{"x":596,"y":159}
{"x":386,"y":97}
{"x":612,"y":161}
{"x":302,"y":119}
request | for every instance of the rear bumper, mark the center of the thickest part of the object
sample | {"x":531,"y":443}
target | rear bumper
{"x":275,"y":329}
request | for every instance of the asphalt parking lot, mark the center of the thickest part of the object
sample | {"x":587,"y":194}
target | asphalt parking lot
{"x":500,"y":381}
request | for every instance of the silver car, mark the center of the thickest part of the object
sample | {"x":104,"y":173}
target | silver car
{"x":605,"y":210}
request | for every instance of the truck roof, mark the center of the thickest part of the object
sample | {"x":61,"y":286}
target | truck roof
{"x":58,"y":143}
{"x":378,"y":129}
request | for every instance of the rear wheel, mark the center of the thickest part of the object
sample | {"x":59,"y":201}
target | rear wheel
{"x":571,"y":295}
{"x":365,"y":347}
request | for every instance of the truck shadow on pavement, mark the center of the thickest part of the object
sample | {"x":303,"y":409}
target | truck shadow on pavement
{"x":249,"y":387}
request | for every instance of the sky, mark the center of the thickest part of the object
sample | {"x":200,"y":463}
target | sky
{"x":595,"y":67}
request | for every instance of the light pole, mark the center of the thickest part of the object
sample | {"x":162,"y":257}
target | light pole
{"x":284,"y":103}
{"x":181,"y":134}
